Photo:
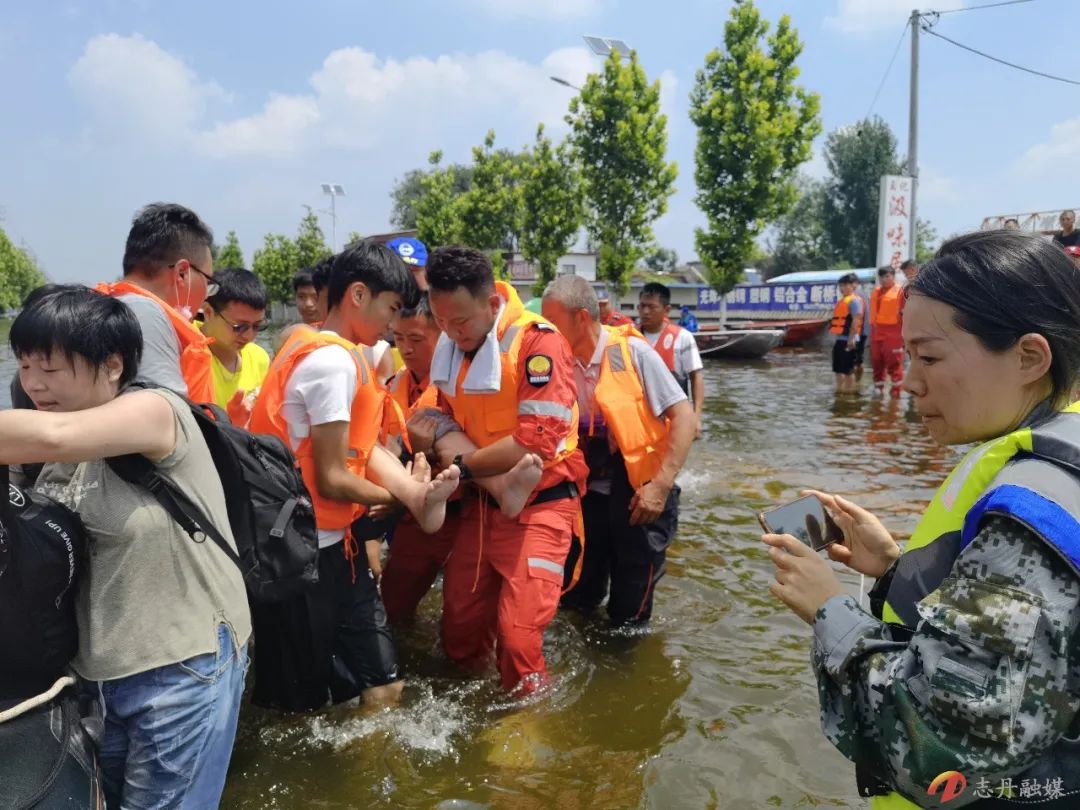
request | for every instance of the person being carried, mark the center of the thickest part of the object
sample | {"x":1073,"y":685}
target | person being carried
{"x":233,"y":317}
{"x":676,"y":346}
{"x":506,"y":379}
{"x":321,"y":397}
{"x":845,"y":328}
{"x":415,"y":557}
{"x":886,"y":340}
{"x":163,"y":621}
{"x":636,"y":426}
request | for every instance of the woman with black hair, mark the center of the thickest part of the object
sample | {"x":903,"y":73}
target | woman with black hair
{"x":163,"y":620}
{"x":964,"y":686}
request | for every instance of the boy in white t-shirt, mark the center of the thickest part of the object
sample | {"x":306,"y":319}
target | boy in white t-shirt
{"x":322,"y":397}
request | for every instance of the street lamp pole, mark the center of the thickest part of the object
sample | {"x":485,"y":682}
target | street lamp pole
{"x":565,"y":83}
{"x":334,"y":190}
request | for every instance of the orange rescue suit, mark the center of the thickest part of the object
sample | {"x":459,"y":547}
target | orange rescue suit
{"x":196,"y":361}
{"x":886,"y":306}
{"x":620,"y":397}
{"x":366,"y":420}
{"x":488,"y":417}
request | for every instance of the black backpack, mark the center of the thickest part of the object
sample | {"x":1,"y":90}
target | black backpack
{"x":270,"y":510}
{"x":42,"y":548}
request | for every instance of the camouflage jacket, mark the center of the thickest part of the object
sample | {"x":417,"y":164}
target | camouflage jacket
{"x":988,"y":684}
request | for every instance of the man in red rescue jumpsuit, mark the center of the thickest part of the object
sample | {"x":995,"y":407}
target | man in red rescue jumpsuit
{"x":886,"y":341}
{"x":506,"y":378}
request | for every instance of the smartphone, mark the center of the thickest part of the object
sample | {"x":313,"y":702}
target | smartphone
{"x":805,"y":519}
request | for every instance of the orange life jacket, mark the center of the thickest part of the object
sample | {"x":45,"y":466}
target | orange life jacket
{"x":196,"y":361}
{"x":366,"y":419}
{"x":488,"y":417}
{"x":666,"y":342}
{"x":399,"y":391}
{"x":841,"y":319}
{"x":885,"y":306}
{"x":620,"y":397}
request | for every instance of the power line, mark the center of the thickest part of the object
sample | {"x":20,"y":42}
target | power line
{"x":881,"y":85}
{"x":977,"y":8}
{"x":927,"y":29}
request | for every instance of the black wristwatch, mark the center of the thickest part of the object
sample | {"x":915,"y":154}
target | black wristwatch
{"x":466,"y":473}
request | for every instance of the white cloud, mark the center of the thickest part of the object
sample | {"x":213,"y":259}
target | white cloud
{"x":539,"y":9}
{"x":1061,"y":149}
{"x":131,"y":82}
{"x":278,"y":130}
{"x":935,"y":187}
{"x":355,"y":101}
{"x":862,"y":16}
{"x":359,"y":101}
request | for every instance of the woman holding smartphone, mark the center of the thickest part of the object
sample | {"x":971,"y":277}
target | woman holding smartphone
{"x":970,"y":663}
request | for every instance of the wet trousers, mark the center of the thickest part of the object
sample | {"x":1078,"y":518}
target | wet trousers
{"x":622,"y":562}
{"x":887,"y":354}
{"x":415,"y":560}
{"x":501,"y":587}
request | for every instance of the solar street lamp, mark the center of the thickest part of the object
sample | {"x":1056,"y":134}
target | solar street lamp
{"x":334,"y":190}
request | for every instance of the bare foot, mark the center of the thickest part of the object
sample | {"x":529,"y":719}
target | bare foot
{"x":442,"y":486}
{"x":519,"y":483}
{"x":419,"y":469}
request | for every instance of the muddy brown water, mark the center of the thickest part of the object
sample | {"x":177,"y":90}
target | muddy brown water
{"x":713,"y":707}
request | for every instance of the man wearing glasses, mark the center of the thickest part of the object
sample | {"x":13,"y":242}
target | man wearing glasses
{"x":234,"y":316}
{"x":168,"y":274}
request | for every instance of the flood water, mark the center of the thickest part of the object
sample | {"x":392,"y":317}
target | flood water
{"x":713,"y":707}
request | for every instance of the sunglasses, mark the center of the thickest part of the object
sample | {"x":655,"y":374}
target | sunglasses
{"x":244,"y":328}
{"x":212,"y":287}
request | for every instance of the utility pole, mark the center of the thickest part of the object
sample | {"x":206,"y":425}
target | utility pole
{"x":913,"y":126}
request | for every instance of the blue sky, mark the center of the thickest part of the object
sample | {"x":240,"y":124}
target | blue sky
{"x":240,"y":110}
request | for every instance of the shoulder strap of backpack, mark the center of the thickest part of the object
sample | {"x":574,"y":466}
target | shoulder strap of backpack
{"x":138,"y":469}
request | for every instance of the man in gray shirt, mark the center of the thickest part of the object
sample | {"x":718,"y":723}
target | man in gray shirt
{"x":636,"y":430}
{"x":167,"y":264}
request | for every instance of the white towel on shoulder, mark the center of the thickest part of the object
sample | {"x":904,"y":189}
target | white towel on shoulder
{"x":485,"y":371}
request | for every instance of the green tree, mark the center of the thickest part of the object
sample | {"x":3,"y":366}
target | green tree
{"x":19,"y":273}
{"x":552,"y":206}
{"x":310,"y":242}
{"x":927,"y":241}
{"x":619,"y":137}
{"x":857,"y":156}
{"x":490,"y":211}
{"x":407,"y":192}
{"x":801,"y":240}
{"x":755,"y":128}
{"x":275,"y":263}
{"x":354,"y":236}
{"x":662,"y":260}
{"x":437,"y":211}
{"x":230,"y":254}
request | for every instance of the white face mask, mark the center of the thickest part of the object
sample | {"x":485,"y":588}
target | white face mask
{"x":185,"y":308}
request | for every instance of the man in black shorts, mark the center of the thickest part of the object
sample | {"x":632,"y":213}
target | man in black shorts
{"x":846,"y":329}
